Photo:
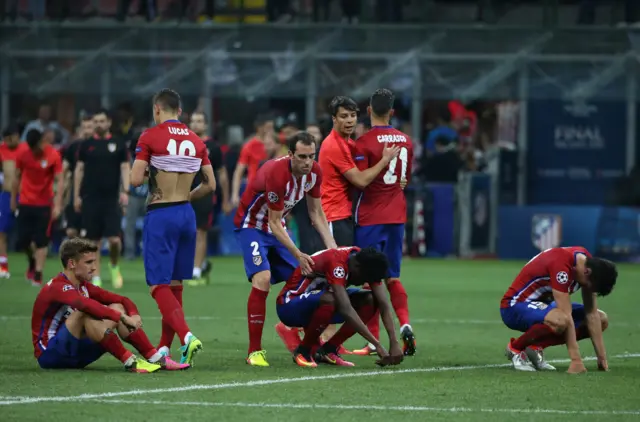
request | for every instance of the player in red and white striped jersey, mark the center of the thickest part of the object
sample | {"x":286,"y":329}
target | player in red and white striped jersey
{"x":538,"y":303}
{"x":75,"y":322}
{"x":270,"y":256}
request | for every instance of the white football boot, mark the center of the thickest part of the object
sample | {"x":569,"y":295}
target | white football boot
{"x":536,"y":357}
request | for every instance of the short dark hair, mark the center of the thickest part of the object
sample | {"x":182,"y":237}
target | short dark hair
{"x":261,"y":119}
{"x":74,"y":248}
{"x":603,"y":275}
{"x":168,"y":100}
{"x":305,"y":137}
{"x":86,"y":118}
{"x":12,"y":129}
{"x":381,"y":102}
{"x":374,"y":265}
{"x":341,"y":101}
{"x":102,"y":111}
{"x":33,"y":138}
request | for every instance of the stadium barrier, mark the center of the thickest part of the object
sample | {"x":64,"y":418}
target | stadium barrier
{"x":610,"y":232}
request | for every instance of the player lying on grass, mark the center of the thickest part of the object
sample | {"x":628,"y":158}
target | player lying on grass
{"x":538,"y":304}
{"x":74,"y":322}
{"x":323,"y":297}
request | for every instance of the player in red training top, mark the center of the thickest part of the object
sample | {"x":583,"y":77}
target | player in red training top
{"x":538,"y":304}
{"x":36,"y":169}
{"x":10,"y":148}
{"x":173,"y":155}
{"x":74,"y":322}
{"x":381,"y":208}
{"x":323,"y":297}
{"x":270,"y":256}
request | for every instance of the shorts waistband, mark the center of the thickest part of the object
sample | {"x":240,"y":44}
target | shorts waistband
{"x":159,"y":205}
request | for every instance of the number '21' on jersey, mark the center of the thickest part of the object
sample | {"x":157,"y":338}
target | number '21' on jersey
{"x":383,"y":201}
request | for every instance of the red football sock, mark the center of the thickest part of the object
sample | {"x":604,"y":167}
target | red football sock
{"x":374,"y":325}
{"x":533,"y":335}
{"x":112,"y":344}
{"x":319,"y":321}
{"x":582,"y":332}
{"x":166,"y":337}
{"x":177,"y":293}
{"x":140,"y":341}
{"x":256,"y":312}
{"x":345,"y":332}
{"x":399,"y":301}
{"x":171,"y":310}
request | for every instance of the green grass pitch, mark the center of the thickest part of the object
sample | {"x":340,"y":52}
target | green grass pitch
{"x":458,"y":374}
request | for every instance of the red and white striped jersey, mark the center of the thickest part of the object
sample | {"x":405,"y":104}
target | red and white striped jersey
{"x":172,"y":146}
{"x":59,"y":298}
{"x":331,"y":267}
{"x":275,"y":188}
{"x":552,"y":269}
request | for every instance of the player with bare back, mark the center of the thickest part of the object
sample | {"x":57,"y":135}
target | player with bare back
{"x":173,"y":155}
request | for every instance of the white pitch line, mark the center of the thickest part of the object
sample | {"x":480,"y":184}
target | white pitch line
{"x":258,"y":383}
{"x":414,"y":321}
{"x":371,"y":407}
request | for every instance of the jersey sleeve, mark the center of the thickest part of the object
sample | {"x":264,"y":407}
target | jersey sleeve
{"x":361,"y":155}
{"x":561,"y":274}
{"x":143,"y":148}
{"x":57,"y":163}
{"x":69,"y":295}
{"x":335,"y":270}
{"x":203,"y":154}
{"x":107,"y":298}
{"x":341,"y":159}
{"x":275,"y":189}
{"x":215,"y":156}
{"x":315,"y":190}
{"x":123,"y":153}
{"x":245,"y":155}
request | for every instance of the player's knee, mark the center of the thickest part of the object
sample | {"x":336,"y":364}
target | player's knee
{"x":363,"y":298}
{"x":118,"y":307}
{"x":262,"y":281}
{"x":604,"y":319}
{"x":558,"y":321}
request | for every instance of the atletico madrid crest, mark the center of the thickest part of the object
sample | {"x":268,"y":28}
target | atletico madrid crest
{"x":546,"y":231}
{"x":43,"y":164}
{"x":257,"y":260}
{"x":111,"y":147}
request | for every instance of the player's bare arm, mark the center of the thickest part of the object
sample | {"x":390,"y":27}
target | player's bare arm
{"x":594,"y":325}
{"x":380,"y":294}
{"x":78,"y":175}
{"x":344,"y":308}
{"x":15,"y":188}
{"x":563,"y":302}
{"x":138,"y":173}
{"x":319,"y":221}
{"x":275,"y":224}
{"x":58,"y":199}
{"x":235,"y":186}
{"x":207,"y":185}
{"x":362,"y":179}
{"x":125,"y":170}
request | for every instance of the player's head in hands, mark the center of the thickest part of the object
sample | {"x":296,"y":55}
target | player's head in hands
{"x":102,"y":122}
{"x":167,"y":105}
{"x":302,"y":152}
{"x":602,"y":275}
{"x":367,"y":265}
{"x":381,"y":106}
{"x":78,"y":258}
{"x":344,"y":114}
{"x":198,"y":124}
